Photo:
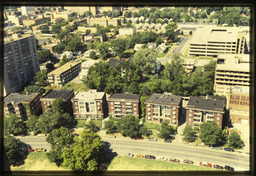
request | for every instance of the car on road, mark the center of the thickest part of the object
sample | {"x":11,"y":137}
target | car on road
{"x":229,"y":168}
{"x":30,"y":150}
{"x":152,"y":139}
{"x":129,"y":154}
{"x":174,"y":160}
{"x":163,"y":158}
{"x":217,"y":166}
{"x":139,"y":156}
{"x":138,"y":138}
{"x":112,"y":136}
{"x":188,"y":161}
{"x":229,"y":149}
{"x":41,"y":150}
{"x":216,"y":147}
{"x":205,"y":164}
{"x":150,"y":157}
{"x":168,"y":140}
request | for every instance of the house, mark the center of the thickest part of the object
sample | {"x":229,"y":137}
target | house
{"x":163,"y":107}
{"x":161,"y":48}
{"x":121,"y":104}
{"x":23,"y":105}
{"x":85,"y":67}
{"x":205,"y":109}
{"x":51,"y":95}
{"x":68,"y":54}
{"x":151,"y":45}
{"x":91,"y":104}
{"x":139,"y":26}
{"x":137,"y":47}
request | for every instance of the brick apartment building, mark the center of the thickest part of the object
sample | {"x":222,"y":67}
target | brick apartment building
{"x":163,"y":107}
{"x":205,"y":109}
{"x":121,"y":104}
{"x":51,"y":95}
{"x":23,"y":105}
{"x":90,"y":104}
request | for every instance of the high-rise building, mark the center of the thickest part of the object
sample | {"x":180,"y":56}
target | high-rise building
{"x":20,"y":62}
{"x":25,"y":10}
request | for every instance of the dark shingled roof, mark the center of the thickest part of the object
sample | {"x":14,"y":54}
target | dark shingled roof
{"x":19,"y":98}
{"x":61,"y":93}
{"x":125,"y":96}
{"x":212,"y":103}
{"x":113,"y":63}
{"x":165,"y":98}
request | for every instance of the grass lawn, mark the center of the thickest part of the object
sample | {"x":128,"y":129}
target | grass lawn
{"x":38,"y":162}
{"x":84,"y":121}
{"x":152,"y":126}
{"x":76,"y":86}
{"x":125,"y":163}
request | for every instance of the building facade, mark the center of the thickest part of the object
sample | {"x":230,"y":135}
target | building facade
{"x":163,"y":107}
{"x":23,"y":105}
{"x":60,"y":76}
{"x":51,"y":95}
{"x":121,"y":104}
{"x":20,"y":63}
{"x":205,"y":109}
{"x":210,"y":41}
{"x":90,"y":104}
{"x":231,"y":71}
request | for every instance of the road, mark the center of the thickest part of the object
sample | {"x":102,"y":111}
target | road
{"x":178,"y":48}
{"x":122,"y":145}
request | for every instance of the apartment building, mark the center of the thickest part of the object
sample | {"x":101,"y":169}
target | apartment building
{"x":23,"y":105}
{"x":163,"y":107}
{"x":60,"y":76}
{"x":239,"y":105}
{"x":34,"y":21}
{"x":103,"y":21}
{"x":85,"y":67}
{"x":121,"y":104}
{"x":84,"y":28}
{"x":231,"y":70}
{"x":51,"y":95}
{"x":127,"y":31}
{"x":205,"y":109}
{"x":64,"y":14}
{"x":81,"y":9}
{"x":20,"y":62}
{"x":209,"y":41}
{"x":91,"y":104}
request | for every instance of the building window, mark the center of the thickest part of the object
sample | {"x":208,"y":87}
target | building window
{"x":190,"y":115}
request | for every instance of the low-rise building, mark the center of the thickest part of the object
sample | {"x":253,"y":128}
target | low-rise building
{"x":60,"y":76}
{"x":205,"y":109}
{"x":23,"y":105}
{"x":121,"y":104}
{"x":84,"y":28}
{"x":85,"y":67}
{"x":50,"y":47}
{"x":163,"y":107}
{"x":161,"y":48}
{"x":91,"y":104}
{"x":68,"y":54}
{"x":127,"y":31}
{"x":51,"y":95}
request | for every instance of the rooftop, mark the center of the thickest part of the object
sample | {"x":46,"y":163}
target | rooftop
{"x":90,"y":95}
{"x":58,"y":93}
{"x":89,"y":63}
{"x":127,"y":96}
{"x":64,"y":68}
{"x":19,"y":98}
{"x":207,"y":103}
{"x":166,"y":98}
{"x":113,"y":63}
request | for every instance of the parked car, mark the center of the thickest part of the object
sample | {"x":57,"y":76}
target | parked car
{"x":217,"y":166}
{"x":229,"y":149}
{"x":30,"y":150}
{"x":174,"y":160}
{"x":138,"y":138}
{"x":188,"y":161}
{"x":168,"y":140}
{"x":112,"y":136}
{"x":129,"y":154}
{"x":41,"y":150}
{"x":217,"y":147}
{"x":139,"y":156}
{"x":163,"y":158}
{"x":150,"y":157}
{"x":205,"y":164}
{"x":152,"y":139}
{"x":229,"y":168}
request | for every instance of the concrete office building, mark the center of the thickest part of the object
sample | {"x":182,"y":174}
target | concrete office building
{"x":231,"y":70}
{"x":26,"y":10}
{"x":210,"y":41}
{"x":20,"y":62}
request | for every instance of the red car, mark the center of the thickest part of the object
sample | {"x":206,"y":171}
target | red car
{"x":138,"y":138}
{"x":205,"y":164}
{"x":30,"y":150}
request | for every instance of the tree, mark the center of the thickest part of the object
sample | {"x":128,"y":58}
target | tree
{"x":57,"y":105}
{"x":235,"y":141}
{"x":93,"y":55}
{"x":60,"y":48}
{"x":45,"y":55}
{"x":33,"y":89}
{"x":56,"y":29}
{"x":91,"y":126}
{"x":63,"y":60}
{"x":129,"y":126}
{"x":115,"y":13}
{"x":189,"y":134}
{"x":170,"y":30}
{"x":144,"y":131}
{"x":103,"y":50}
{"x":14,"y":151}
{"x":211,"y":133}
{"x":85,"y":154}
{"x":119,"y":46}
{"x":45,"y":29}
{"x":41,"y":78}
{"x":32,"y":123}
{"x":166,"y":130}
{"x":146,"y":59}
{"x":59,"y":139}
{"x":38,"y":46}
{"x":87,"y":31}
{"x":14,"y":125}
{"x":134,"y":87}
{"x":110,"y":126}
{"x":62,"y":34}
{"x":74,"y":44}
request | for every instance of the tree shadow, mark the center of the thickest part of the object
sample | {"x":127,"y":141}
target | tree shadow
{"x":107,"y":157}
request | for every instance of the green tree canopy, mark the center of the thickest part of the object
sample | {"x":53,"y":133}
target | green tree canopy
{"x":235,"y":141}
{"x":170,"y":31}
{"x":57,"y":105}
{"x":189,"y":134}
{"x":64,"y":60}
{"x":211,"y":133}
{"x":93,"y":55}
{"x":110,"y":126}
{"x":14,"y":125}
{"x":103,"y":50}
{"x":45,"y":29}
{"x":32,"y":123}
{"x":119,"y":46}
{"x":33,"y":89}
{"x":166,"y":130}
{"x":129,"y":126}
{"x":45,"y":55}
{"x":91,"y":126}
{"x":85,"y":154}
{"x":41,"y":78}
{"x":74,"y":44}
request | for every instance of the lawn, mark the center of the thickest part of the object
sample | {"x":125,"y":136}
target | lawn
{"x":38,"y":162}
{"x":84,"y":121}
{"x":152,"y":126}
{"x":125,"y":163}
{"x":76,"y":86}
